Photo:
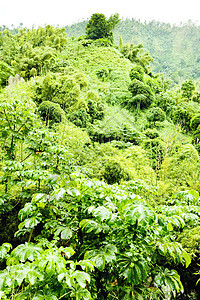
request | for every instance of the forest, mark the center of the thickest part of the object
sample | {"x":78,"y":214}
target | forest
{"x":99,"y":161}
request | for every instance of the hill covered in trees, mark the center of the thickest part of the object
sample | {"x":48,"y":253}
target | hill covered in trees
{"x":173,"y":47}
{"x":100,"y":169}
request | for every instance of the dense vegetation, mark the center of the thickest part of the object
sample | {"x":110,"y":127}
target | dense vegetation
{"x":174,"y":48}
{"x":100,"y":169}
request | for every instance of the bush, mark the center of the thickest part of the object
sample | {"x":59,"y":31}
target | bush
{"x":96,"y":110}
{"x":137,"y":73}
{"x":166,"y":102}
{"x":187,"y":89}
{"x":142,"y":95}
{"x":152,"y":133}
{"x":155,"y":114}
{"x":195,"y":122}
{"x":114,"y":172}
{"x":155,"y":151}
{"x":103,"y":42}
{"x":196,"y":97}
{"x":80,"y":118}
{"x":182,"y":169}
{"x":5,"y":73}
{"x":102,"y":73}
{"x":184,"y":113}
{"x":105,"y":135}
{"x":51,"y":112}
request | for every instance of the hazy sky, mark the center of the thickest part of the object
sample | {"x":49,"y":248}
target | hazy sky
{"x":66,"y":12}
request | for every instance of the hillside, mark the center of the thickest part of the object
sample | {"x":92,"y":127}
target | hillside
{"x":99,"y":172}
{"x":174,"y":48}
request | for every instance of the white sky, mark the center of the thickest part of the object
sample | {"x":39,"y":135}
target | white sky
{"x":67,"y":12}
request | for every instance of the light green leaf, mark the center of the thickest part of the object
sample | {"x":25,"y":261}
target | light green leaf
{"x":27,"y":251}
{"x":81,"y":278}
{"x":90,"y":225}
{"x":102,"y":213}
{"x":4,"y":249}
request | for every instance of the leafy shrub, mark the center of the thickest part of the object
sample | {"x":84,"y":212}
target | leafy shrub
{"x":103,"y":42}
{"x":102,"y":73}
{"x":104,"y":135}
{"x":196,"y":97}
{"x":195,"y":122}
{"x":142,"y":95}
{"x":141,"y":163}
{"x":155,"y":151}
{"x":166,"y":102}
{"x":137,"y":73}
{"x":5,"y":72}
{"x":183,"y":114}
{"x":96,"y":110}
{"x":155,"y":114}
{"x":187,"y":89}
{"x":113,"y":171}
{"x":151,"y":133}
{"x":51,"y":112}
{"x":62,"y":89}
{"x":182,"y":168}
{"x":190,"y":239}
{"x":80,"y":117}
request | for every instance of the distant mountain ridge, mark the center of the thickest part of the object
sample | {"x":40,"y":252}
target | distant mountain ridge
{"x":175,"y":48}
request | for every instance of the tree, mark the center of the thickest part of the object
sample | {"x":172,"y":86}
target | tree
{"x":187,"y":89}
{"x":142,"y":95}
{"x":99,"y":27}
{"x":51,"y":112}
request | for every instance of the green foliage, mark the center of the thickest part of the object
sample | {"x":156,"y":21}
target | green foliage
{"x":183,"y":114}
{"x":99,"y":27}
{"x":155,"y":114}
{"x":155,"y":150}
{"x":31,"y":52}
{"x":51,"y":113}
{"x":136,"y":54}
{"x":187,"y":89}
{"x":5,"y":72}
{"x":152,"y":133}
{"x":166,"y":102}
{"x":142,"y":96}
{"x":182,"y":168}
{"x":137,"y":73}
{"x":17,"y":118}
{"x":58,"y":88}
{"x":77,"y":237}
{"x":114,"y":172}
{"x":195,"y":122}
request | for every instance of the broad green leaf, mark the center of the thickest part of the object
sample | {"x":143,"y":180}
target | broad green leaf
{"x":27,"y":251}
{"x":73,"y":192}
{"x":67,"y":250}
{"x":87,"y":264}
{"x":31,"y":222}
{"x":66,"y":233}
{"x":90,"y":225}
{"x":82,"y":294}
{"x":58,"y":194}
{"x":4,"y":249}
{"x":100,"y":262}
{"x":28,"y":271}
{"x":102,"y":213}
{"x":140,"y":213}
{"x":81,"y":278}
{"x":51,"y":261}
{"x":27,"y":211}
